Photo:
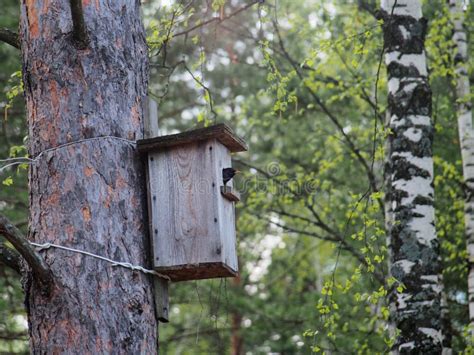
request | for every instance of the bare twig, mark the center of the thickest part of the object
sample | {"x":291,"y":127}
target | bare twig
{"x":79,"y":31}
{"x":10,"y":37}
{"x":10,"y":258}
{"x":40,"y":269}
{"x":217,"y":19}
{"x":334,"y":239}
{"x":13,"y":336}
{"x":206,"y":89}
{"x":349,"y":142}
{"x":331,"y":235}
{"x":195,"y":78}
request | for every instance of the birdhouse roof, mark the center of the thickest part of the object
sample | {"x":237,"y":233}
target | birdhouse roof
{"x":222,"y":132}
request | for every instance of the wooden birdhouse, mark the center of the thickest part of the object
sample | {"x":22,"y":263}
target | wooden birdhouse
{"x":191,"y":209}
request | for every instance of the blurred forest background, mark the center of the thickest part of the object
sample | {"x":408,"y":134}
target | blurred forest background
{"x":305,"y":84}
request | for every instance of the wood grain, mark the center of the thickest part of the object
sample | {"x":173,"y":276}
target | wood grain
{"x":160,"y":286}
{"x":225,"y":209}
{"x":194,"y":232}
{"x":222,"y":132}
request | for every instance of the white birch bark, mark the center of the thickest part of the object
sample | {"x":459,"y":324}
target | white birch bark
{"x":466,"y":138}
{"x":414,"y":248}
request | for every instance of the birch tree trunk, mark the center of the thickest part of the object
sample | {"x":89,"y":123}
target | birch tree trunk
{"x":466,"y":138}
{"x":414,"y":245}
{"x":89,"y":195}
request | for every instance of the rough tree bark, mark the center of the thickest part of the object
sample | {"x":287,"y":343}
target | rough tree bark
{"x":413,"y":242}
{"x":466,"y":137}
{"x":88,"y":195}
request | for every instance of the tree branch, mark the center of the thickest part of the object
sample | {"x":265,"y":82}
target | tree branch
{"x":217,"y":19}
{"x":79,"y":32}
{"x":333,"y":239}
{"x":10,"y":258}
{"x":13,"y":335}
{"x":350,"y":144}
{"x":40,"y":269}
{"x":369,"y":6}
{"x":10,"y":37}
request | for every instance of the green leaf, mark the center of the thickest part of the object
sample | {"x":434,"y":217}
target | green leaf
{"x":8,"y":181}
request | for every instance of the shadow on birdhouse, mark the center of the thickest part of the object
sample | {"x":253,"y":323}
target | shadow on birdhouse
{"x":191,"y":202}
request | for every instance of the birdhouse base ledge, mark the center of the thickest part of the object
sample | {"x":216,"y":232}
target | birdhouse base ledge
{"x":197,"y":271}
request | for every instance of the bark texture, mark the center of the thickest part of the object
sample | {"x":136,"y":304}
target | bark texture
{"x":89,"y":195}
{"x":414,"y":245}
{"x":466,"y":137}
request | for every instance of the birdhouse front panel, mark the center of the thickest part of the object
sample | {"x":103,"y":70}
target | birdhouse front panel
{"x":225,"y":207}
{"x":192,"y":221}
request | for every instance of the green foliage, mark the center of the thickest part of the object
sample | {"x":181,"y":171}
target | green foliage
{"x":13,"y":89}
{"x":305,"y":188}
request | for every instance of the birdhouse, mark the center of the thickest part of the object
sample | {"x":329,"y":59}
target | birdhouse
{"x":191,"y":203}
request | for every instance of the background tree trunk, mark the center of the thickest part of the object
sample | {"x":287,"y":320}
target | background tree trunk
{"x":414,"y":246}
{"x":89,"y":195}
{"x":466,"y":137}
{"x":236,"y":336}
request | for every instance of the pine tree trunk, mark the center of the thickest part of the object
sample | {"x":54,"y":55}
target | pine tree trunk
{"x":466,"y":138}
{"x":89,"y":195}
{"x":414,"y":245}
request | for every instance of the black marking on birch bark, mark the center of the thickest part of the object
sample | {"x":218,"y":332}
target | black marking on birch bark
{"x":394,"y":35}
{"x":411,"y":102}
{"x":404,"y":169}
{"x":398,"y":195}
{"x":406,"y":245}
{"x":397,"y":70}
{"x":423,"y":200}
{"x":422,"y":148}
{"x":458,"y":58}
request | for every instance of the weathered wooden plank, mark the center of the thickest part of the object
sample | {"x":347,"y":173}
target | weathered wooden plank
{"x":194,"y":232}
{"x":198,"y":271}
{"x":160,"y":286}
{"x":222,"y":132}
{"x":161,"y":299}
{"x":186,"y":229}
{"x":151,"y":119}
{"x":225,"y":210}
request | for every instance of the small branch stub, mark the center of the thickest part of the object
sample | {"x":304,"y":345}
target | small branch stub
{"x":79,"y":32}
{"x":40,"y":269}
{"x":9,"y":37}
